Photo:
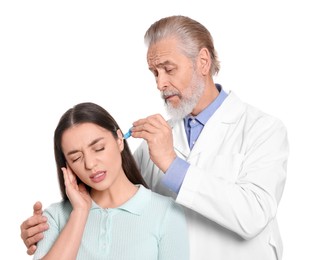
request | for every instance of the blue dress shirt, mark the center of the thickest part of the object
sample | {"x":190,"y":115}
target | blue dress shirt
{"x":174,"y":176}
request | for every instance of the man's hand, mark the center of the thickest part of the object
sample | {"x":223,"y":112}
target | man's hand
{"x":32,"y":229}
{"x":158,"y":135}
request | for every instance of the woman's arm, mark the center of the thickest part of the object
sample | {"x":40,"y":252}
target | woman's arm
{"x":67,"y":244}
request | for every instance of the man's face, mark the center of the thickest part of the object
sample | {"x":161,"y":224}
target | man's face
{"x":176,"y":77}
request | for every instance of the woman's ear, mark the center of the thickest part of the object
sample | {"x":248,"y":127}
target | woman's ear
{"x":120,"y":140}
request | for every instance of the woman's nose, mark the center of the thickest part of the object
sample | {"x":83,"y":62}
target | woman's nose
{"x":90,"y":162}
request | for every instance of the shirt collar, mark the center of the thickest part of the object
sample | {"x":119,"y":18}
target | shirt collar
{"x":204,"y":116}
{"x":134,"y":205}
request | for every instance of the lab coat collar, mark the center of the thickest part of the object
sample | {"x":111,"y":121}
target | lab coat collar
{"x":214,"y":130}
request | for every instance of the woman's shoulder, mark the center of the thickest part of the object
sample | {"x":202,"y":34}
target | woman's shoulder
{"x":161,"y":201}
{"x":58,"y":209}
{"x":161,"y":198}
{"x":155,"y":196}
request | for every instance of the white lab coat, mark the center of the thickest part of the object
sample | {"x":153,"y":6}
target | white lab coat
{"x":234,"y":184}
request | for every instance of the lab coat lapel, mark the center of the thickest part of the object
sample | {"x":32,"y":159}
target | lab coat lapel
{"x":179,"y":139}
{"x":215,"y":130}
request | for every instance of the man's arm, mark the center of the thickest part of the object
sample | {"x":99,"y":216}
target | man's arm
{"x":241,"y":189}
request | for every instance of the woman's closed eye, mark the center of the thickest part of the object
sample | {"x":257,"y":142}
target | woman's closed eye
{"x":75,"y":156}
{"x":75,"y":159}
{"x":98,"y":149}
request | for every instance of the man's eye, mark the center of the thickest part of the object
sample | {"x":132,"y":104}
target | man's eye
{"x":99,"y":149}
{"x":168,"y":70}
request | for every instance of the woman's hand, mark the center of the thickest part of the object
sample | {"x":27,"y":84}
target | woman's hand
{"x":78,"y":195}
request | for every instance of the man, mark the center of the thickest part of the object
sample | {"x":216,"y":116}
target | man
{"x":222,"y":159}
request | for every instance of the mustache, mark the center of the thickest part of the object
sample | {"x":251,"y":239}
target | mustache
{"x":167,"y":93}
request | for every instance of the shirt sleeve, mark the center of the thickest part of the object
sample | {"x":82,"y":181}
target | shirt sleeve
{"x":50,"y":235}
{"x":175,"y":175}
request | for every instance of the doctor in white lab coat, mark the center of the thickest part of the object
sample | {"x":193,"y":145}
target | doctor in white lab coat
{"x":234,"y":175}
{"x":233,"y":185}
{"x":222,"y":159}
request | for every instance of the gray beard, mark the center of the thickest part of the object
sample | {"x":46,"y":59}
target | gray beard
{"x":178,"y":113}
{"x":188,"y":102}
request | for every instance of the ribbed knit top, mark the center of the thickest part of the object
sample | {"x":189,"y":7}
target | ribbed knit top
{"x":148,"y":226}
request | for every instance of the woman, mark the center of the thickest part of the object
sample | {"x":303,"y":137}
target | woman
{"x":107,"y":211}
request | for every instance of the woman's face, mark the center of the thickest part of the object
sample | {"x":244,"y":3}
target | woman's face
{"x":94,"y":155}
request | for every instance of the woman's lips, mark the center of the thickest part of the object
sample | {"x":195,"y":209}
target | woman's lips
{"x":98,"y":177}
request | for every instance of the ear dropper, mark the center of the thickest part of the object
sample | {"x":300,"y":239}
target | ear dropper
{"x":127,"y":135}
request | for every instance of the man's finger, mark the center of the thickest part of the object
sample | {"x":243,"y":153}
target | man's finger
{"x":37,"y":208}
{"x":31,"y":250}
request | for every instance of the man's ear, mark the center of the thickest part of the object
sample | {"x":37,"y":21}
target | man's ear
{"x":204,"y":61}
{"x":120,"y":140}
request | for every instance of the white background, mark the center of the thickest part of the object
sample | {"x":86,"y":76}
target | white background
{"x":54,"y":54}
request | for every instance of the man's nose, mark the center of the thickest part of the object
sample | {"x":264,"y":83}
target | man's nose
{"x":162,"y":81}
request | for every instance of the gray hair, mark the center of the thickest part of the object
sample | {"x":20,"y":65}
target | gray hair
{"x":192,"y":36}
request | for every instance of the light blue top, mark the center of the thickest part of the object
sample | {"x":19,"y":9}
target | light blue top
{"x":175,"y":175}
{"x":148,"y":226}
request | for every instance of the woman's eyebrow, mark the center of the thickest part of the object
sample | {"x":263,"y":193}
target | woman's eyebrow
{"x":95,"y":141}
{"x":89,"y":145}
{"x":72,"y":152}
